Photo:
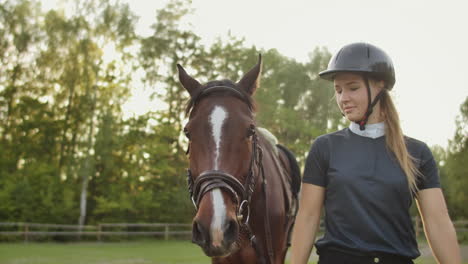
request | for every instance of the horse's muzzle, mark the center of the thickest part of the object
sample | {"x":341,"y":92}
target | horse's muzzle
{"x":216,"y":243}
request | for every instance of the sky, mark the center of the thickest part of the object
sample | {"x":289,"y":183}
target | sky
{"x":427,"y":41}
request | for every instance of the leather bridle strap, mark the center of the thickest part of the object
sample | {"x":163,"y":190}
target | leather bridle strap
{"x":212,"y":179}
{"x":222,"y":88}
{"x":268,"y":235}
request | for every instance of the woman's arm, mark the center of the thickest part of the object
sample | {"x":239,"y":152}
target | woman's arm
{"x":307,"y":222}
{"x":438,"y":227}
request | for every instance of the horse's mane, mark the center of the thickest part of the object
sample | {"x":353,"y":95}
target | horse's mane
{"x":194,"y":98}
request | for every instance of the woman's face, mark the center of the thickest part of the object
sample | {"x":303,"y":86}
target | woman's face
{"x":351,"y":96}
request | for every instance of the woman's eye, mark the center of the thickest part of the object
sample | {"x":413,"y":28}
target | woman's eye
{"x":354,"y":88}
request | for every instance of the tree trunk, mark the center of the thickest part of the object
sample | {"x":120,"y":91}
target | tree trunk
{"x":65,"y":128}
{"x":87,"y":170}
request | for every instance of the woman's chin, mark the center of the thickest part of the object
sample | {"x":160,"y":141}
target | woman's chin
{"x":352,"y":118}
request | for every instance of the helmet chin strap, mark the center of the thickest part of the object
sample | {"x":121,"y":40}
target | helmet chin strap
{"x":370,"y":105}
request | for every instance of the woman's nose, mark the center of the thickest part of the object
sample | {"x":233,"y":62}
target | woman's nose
{"x":344,"y":96}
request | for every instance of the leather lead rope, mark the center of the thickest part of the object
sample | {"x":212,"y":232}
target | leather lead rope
{"x":268,"y":236}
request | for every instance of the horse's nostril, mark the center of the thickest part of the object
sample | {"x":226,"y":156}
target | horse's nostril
{"x":231,"y":231}
{"x":197,"y":233}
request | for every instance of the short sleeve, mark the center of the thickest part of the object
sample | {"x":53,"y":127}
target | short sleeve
{"x":429,"y":177}
{"x":316,"y":167}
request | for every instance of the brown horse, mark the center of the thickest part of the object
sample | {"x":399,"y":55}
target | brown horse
{"x":243,"y":185}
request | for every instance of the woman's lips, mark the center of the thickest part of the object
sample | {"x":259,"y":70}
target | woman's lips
{"x":348,"y":109}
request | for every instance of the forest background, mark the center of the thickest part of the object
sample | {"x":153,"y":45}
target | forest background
{"x":70,"y":155}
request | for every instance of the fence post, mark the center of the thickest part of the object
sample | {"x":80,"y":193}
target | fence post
{"x":417,"y":221}
{"x":26,"y":232}
{"x":166,"y":232}
{"x":99,"y":232}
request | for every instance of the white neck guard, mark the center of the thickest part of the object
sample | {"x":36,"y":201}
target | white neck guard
{"x":372,"y":130}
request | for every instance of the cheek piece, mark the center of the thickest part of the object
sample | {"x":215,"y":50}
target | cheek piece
{"x":370,"y":105}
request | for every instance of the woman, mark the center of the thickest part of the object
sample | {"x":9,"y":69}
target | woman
{"x":366,"y":176}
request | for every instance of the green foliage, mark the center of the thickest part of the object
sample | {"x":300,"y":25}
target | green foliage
{"x":64,"y":143}
{"x":455,"y":169}
{"x":291,"y":91}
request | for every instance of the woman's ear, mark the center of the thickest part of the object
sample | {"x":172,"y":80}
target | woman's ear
{"x":377,"y":85}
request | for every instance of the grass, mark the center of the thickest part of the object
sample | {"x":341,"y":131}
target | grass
{"x":145,"y":252}
{"x":140,"y":252}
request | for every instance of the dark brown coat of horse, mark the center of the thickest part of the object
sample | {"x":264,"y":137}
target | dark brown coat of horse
{"x":243,"y":186}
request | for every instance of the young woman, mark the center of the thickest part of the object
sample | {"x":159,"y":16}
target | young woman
{"x":366,"y":176}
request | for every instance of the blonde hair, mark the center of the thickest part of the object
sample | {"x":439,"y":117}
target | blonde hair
{"x":395,"y":141}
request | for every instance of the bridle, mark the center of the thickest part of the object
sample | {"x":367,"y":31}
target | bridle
{"x":242,"y":192}
{"x":212,"y":179}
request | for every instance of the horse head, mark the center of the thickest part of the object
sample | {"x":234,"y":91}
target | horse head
{"x":222,"y":155}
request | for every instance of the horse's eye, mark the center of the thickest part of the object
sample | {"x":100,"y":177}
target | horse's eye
{"x":251,"y":131}
{"x":186,"y":132}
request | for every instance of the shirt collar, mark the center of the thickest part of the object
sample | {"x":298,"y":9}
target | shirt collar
{"x":372,"y":130}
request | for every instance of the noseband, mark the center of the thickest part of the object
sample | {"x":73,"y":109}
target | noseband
{"x":242,"y":192}
{"x":212,"y":179}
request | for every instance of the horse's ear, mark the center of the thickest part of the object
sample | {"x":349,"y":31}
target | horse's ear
{"x":189,"y":83}
{"x":251,"y":81}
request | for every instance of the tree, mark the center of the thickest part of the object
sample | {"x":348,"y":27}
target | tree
{"x":291,"y":91}
{"x":55,"y":85}
{"x":65,"y":144}
{"x":455,"y":169}
{"x":18,"y":35}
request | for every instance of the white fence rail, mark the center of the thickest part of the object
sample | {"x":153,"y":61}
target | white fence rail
{"x":29,"y":230}
{"x":163,"y":230}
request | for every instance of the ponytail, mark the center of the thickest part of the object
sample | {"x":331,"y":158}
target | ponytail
{"x":395,"y":141}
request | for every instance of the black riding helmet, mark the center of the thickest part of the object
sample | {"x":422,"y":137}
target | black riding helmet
{"x":367,"y":60}
{"x":361,"y":58}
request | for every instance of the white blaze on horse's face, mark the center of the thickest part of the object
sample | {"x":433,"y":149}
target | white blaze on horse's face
{"x":219,"y":216}
{"x":217,"y":118}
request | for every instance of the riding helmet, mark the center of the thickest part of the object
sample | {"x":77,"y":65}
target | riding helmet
{"x":361,"y":58}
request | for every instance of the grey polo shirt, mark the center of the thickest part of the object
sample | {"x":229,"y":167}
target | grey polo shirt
{"x":367,"y":199}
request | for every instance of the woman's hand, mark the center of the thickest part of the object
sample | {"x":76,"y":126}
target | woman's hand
{"x":307,"y":222}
